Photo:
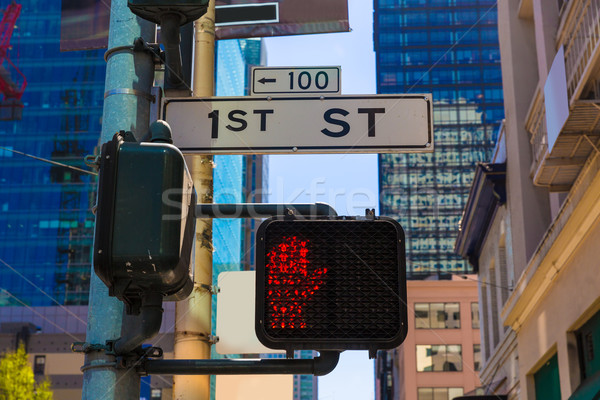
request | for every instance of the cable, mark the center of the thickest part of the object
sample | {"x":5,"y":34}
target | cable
{"x":453,"y":45}
{"x":49,"y":161}
{"x":46,"y":294}
{"x":39,"y":314}
{"x":465,"y":277}
{"x":429,"y":70}
{"x":414,"y":313}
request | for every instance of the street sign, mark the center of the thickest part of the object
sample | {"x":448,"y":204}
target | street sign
{"x":282,"y":125}
{"x":295,"y":80}
{"x":84,"y":23}
{"x":264,"y":18}
{"x":243,"y":14}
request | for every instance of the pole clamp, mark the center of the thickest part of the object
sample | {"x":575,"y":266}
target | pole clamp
{"x":139,"y":45}
{"x":133,"y":92}
{"x":136,"y":357}
{"x":85,"y":347}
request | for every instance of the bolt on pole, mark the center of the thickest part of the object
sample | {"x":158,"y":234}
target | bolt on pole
{"x":193,"y":315}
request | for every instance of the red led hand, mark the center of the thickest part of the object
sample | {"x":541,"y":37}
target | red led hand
{"x":290,"y":284}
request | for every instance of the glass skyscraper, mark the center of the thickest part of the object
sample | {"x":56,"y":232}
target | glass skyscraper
{"x":46,"y":223}
{"x":236,"y":177}
{"x":448,"y":48}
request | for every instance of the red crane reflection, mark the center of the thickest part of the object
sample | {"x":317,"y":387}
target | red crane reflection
{"x":291,"y":284}
{"x":8,"y":87}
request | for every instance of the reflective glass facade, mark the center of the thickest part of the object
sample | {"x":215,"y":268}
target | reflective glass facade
{"x":240,"y":179}
{"x":234,"y":175}
{"x":46,"y":224}
{"x":448,"y":48}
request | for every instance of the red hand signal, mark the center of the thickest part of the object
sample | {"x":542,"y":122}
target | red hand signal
{"x":290,"y":285}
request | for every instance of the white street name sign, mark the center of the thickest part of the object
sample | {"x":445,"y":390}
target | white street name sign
{"x":295,"y":80}
{"x":280,"y":125}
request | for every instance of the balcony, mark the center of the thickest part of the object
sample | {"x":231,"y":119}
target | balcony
{"x":579,"y":35}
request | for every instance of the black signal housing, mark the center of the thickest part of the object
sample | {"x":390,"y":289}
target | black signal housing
{"x":331,"y":283}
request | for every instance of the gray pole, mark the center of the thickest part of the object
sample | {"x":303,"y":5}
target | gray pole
{"x":128,"y":82}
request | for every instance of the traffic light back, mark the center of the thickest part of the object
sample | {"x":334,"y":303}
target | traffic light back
{"x":145,"y":224}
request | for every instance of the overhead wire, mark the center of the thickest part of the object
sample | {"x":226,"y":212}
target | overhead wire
{"x":33,"y":310}
{"x":92,"y":173}
{"x":42,"y":291}
{"x":49,"y":161}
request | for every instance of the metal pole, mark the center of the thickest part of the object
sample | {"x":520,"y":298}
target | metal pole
{"x":193,"y":315}
{"x":128,"y":83}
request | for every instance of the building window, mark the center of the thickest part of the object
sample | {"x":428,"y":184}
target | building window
{"x":438,"y":358}
{"x":437,"y":315}
{"x":39,"y":365}
{"x":477,"y":357}
{"x":156,"y":394}
{"x":588,"y":344}
{"x":438,"y":393}
{"x":547,"y":381}
{"x":475,"y":315}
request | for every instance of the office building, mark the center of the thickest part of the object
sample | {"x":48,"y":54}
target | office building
{"x":441,"y":355}
{"x":46,"y":223}
{"x":531,"y":225}
{"x":448,"y":48}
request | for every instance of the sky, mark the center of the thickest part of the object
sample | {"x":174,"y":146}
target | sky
{"x":346,"y":181}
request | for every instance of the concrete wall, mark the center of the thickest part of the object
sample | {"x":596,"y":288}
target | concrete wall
{"x":529,"y":205}
{"x":572,"y":299}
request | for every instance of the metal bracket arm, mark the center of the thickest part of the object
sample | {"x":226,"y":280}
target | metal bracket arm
{"x":262,"y":210}
{"x":318,"y":366}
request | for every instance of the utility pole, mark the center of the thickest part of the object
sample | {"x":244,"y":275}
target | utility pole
{"x":193,"y":315}
{"x":129,"y":78}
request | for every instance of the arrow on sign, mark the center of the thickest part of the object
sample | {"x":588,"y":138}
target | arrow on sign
{"x":267,"y":80}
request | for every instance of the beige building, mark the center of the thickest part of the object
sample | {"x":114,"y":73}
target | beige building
{"x":440,"y":357}
{"x":532,"y":223}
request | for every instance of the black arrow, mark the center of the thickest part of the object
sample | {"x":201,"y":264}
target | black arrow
{"x":267,"y":80}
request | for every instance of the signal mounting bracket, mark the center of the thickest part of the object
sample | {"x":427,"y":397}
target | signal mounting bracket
{"x":318,"y":366}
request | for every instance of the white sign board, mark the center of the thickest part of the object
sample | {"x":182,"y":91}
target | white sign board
{"x":253,"y":387}
{"x":279,"y":125}
{"x":235,"y":314}
{"x":556,"y":98}
{"x":295,"y":80}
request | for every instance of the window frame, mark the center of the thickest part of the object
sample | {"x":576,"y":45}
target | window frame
{"x":432,"y":350}
{"x":419,"y":321}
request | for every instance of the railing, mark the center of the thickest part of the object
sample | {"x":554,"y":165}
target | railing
{"x":536,"y":126}
{"x":579,"y":33}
